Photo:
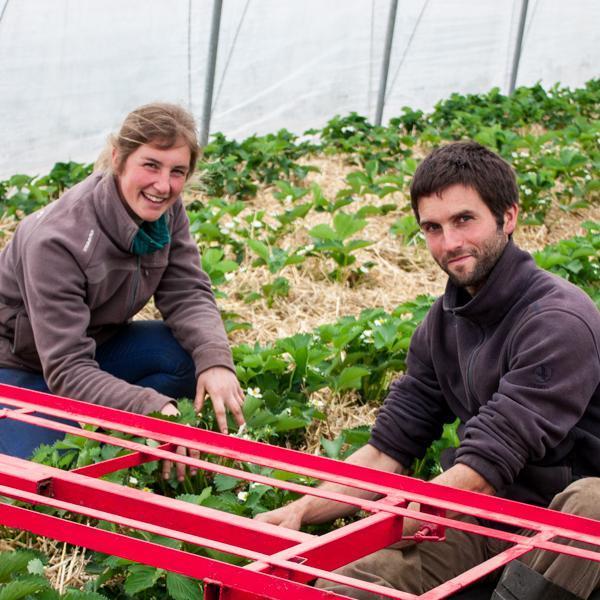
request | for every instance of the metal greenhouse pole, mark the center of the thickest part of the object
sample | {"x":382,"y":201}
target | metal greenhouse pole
{"x":209,"y":82}
{"x":385,"y":66}
{"x":518,"y":46}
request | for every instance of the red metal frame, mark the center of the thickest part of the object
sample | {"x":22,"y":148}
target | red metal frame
{"x":282,"y":561}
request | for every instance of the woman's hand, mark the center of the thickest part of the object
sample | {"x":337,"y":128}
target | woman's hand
{"x":170,"y":410}
{"x":225,"y":393}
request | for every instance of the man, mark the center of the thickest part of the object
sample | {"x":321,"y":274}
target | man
{"x":510,"y":350}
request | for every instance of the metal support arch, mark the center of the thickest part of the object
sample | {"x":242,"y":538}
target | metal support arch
{"x":518,"y":46}
{"x":209,"y":82}
{"x":385,"y":65}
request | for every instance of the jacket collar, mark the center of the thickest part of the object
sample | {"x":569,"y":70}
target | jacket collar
{"x":114,"y":218}
{"x":505,"y":285}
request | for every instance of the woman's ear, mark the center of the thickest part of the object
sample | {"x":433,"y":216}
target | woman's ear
{"x":114,"y":157}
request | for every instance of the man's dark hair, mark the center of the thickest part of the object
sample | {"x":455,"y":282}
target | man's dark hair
{"x":469,"y":164}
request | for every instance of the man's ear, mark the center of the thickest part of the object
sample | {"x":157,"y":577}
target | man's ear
{"x":510,"y":219}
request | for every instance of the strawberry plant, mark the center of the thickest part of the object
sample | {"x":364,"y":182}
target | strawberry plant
{"x":22,"y":576}
{"x":22,"y":194}
{"x":576,"y":259}
{"x":334,"y":242}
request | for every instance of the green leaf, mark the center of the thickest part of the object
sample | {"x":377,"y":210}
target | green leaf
{"x":332,"y":447}
{"x":350,"y":378}
{"x":140,"y":577}
{"x":183,"y":588}
{"x":251,"y":405}
{"x":13,"y":563}
{"x":260,"y":249}
{"x":82,"y":595}
{"x":22,"y":588}
{"x":288,"y":423}
{"x":196,"y":498}
{"x":224,"y":483}
{"x":323,"y":232}
{"x":347,"y":225}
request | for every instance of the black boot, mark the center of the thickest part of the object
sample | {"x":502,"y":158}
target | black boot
{"x":519,"y":582}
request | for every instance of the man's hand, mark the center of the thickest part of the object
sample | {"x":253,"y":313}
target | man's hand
{"x":286,"y":516}
{"x":225,"y":393}
{"x":170,"y":410}
{"x":311,"y":509}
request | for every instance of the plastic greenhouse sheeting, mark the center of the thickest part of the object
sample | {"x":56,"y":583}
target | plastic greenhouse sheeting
{"x":71,"y":70}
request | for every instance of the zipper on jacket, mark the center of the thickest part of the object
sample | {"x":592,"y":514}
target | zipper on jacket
{"x":136,"y":283}
{"x":469,"y":382}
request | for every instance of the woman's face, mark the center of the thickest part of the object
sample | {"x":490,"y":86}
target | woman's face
{"x":152,"y":178}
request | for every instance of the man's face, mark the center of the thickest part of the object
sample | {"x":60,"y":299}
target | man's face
{"x":462,"y":234}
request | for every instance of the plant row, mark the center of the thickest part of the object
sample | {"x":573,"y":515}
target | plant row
{"x":551,"y":137}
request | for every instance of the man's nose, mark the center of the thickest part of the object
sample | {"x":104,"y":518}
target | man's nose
{"x":453,"y":240}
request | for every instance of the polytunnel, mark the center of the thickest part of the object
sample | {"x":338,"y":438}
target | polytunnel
{"x":70,"y":71}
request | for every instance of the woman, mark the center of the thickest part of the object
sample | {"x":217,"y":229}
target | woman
{"x":79,"y":269}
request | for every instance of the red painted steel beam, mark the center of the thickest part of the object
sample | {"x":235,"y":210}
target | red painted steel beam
{"x":368,"y":505}
{"x":261,"y":585}
{"x":147,"y":507}
{"x":308,"y":550}
{"x":476,"y":573}
{"x":479,"y":505}
{"x":133,"y":459}
{"x":339,"y":547}
{"x":123,"y":545}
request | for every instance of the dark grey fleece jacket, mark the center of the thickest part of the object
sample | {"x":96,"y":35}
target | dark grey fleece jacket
{"x":68,"y":282}
{"x":519,"y":365}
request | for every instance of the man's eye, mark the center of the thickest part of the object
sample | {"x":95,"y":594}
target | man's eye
{"x":429,"y":228}
{"x":151,"y":165}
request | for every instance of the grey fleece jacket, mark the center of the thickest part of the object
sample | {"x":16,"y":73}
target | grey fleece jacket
{"x":68,"y":282}
{"x":519,"y":365}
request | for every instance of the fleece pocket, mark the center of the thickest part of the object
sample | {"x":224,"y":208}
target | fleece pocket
{"x":23,"y":344}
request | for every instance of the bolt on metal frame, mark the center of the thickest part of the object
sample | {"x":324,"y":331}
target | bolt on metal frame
{"x":280,"y":562}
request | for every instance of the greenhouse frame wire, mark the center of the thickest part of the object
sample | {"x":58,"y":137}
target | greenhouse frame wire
{"x":281,"y":562}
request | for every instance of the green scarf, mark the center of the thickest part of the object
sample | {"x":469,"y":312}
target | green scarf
{"x":151,"y":236}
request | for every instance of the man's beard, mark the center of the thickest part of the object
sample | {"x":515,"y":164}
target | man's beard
{"x":485,"y":260}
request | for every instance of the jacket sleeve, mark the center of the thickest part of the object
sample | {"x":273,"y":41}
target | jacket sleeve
{"x":57,"y":317}
{"x":414,"y":412}
{"x":553,"y":372}
{"x":187,"y":304}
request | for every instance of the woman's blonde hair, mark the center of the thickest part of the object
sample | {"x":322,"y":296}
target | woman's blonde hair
{"x":161,"y":124}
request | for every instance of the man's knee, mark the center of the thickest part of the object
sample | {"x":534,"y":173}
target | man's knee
{"x":390,"y":568}
{"x":581,"y":498}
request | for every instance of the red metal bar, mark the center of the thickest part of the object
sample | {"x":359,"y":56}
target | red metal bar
{"x":363,"y":504}
{"x":282,"y":560}
{"x":133,"y":459}
{"x":478,"y":505}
